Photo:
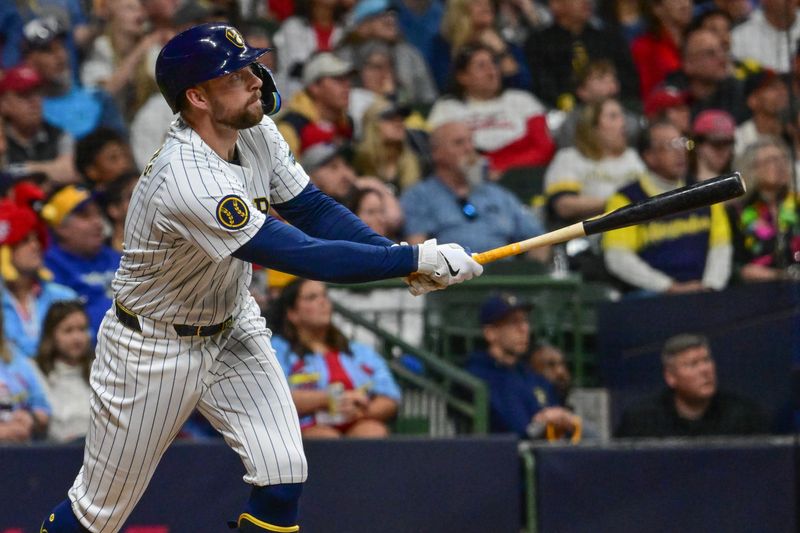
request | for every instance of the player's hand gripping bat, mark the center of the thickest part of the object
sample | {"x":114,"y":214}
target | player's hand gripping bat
{"x":686,"y":198}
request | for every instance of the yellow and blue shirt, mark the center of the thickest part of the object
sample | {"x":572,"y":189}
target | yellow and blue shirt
{"x":676,"y":245}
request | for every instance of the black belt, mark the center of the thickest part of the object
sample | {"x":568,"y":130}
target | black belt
{"x":129,"y":319}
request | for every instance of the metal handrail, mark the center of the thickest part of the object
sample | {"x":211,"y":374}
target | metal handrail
{"x":476,"y":407}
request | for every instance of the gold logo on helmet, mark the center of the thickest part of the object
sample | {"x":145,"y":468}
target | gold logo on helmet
{"x":233,"y":35}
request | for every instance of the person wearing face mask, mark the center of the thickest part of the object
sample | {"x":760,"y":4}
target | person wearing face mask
{"x":457,"y":204}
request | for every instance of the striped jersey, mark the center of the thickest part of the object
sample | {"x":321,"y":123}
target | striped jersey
{"x":189,"y":211}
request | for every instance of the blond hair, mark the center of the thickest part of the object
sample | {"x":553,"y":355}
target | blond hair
{"x":456,"y":25}
{"x":372,"y":155}
{"x":587,"y":141}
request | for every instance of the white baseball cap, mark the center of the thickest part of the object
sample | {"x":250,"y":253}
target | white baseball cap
{"x":323,"y":65}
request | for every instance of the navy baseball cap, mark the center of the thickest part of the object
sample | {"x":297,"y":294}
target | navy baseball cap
{"x":498,"y":306}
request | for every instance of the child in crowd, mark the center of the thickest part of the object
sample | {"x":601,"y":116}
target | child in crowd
{"x":64,"y":358}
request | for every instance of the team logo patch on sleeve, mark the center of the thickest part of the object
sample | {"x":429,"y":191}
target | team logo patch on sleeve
{"x":232,"y":212}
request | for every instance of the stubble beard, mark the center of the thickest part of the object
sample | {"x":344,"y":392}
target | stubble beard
{"x":245,"y":119}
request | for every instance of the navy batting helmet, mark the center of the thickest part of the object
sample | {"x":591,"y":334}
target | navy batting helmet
{"x":202,"y":53}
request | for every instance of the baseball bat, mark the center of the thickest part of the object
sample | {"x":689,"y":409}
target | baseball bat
{"x":701,"y":194}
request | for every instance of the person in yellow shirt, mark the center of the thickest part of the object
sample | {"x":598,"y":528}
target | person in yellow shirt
{"x":681,"y":253}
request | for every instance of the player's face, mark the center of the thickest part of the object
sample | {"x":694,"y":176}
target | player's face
{"x":512,"y":334}
{"x":27,"y":254}
{"x":71,"y":337}
{"x":313,"y":309}
{"x":235,"y":99}
{"x":692,"y":374}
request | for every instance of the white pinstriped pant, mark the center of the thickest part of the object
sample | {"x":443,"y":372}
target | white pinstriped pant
{"x":144,"y":387}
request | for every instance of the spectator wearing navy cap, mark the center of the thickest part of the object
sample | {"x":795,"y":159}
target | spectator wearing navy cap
{"x":713,"y":132}
{"x":29,"y":292}
{"x":34,"y":145}
{"x":768,"y":100}
{"x":79,"y":258}
{"x":520,"y":401}
{"x":72,"y":108}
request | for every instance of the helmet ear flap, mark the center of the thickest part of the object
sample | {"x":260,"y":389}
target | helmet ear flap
{"x":270,"y":97}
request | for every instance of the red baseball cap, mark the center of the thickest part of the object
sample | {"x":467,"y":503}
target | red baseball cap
{"x":663,"y":98}
{"x":16,"y":223}
{"x":714,"y":124}
{"x":20,"y":79}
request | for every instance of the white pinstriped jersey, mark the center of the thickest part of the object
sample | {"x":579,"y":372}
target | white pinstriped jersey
{"x":190,"y":210}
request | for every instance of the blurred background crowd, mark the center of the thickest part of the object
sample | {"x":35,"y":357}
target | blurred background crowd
{"x":481,"y":122}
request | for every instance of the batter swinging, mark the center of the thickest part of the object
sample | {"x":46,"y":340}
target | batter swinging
{"x":184,"y":332}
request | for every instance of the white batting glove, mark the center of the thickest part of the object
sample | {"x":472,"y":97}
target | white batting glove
{"x":446,"y":264}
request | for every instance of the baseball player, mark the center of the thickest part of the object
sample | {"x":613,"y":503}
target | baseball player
{"x":183,"y":331}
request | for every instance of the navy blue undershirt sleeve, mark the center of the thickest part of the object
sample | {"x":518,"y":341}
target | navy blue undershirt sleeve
{"x":283,"y":247}
{"x":319,"y":215}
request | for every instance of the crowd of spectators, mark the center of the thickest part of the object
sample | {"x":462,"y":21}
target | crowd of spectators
{"x":412,"y":113}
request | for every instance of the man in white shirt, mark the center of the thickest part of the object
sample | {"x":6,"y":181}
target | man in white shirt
{"x":763,"y":37}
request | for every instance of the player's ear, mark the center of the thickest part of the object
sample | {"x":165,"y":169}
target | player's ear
{"x":197,"y":97}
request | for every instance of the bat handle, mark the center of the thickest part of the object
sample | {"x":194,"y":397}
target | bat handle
{"x":497,"y":253}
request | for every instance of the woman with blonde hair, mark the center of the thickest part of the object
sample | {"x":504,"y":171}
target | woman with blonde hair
{"x":581,"y":178}
{"x":474,"y":21}
{"x":384,"y":150}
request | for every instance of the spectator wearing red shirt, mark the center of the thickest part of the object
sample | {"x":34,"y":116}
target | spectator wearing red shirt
{"x":656,"y":52}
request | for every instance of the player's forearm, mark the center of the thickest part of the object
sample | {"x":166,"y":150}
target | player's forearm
{"x":283,"y":247}
{"x":319,"y":215}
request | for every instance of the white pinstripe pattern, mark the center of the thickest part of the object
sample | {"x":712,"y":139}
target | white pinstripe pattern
{"x":144,"y":389}
{"x":177,"y":269}
{"x":177,"y":266}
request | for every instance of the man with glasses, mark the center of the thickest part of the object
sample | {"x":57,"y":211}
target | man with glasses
{"x":691,"y":405}
{"x":681,"y":253}
{"x":458,"y":205}
{"x":706,"y":78}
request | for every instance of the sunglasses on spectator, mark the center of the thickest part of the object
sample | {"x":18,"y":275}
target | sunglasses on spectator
{"x":468,"y":209}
